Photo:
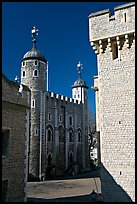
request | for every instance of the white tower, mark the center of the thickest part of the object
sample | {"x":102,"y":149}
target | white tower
{"x":33,"y":75}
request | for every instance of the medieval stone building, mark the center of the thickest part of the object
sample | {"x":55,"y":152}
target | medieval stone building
{"x":58,"y":125}
{"x":15,"y":135}
{"x":113,"y":39}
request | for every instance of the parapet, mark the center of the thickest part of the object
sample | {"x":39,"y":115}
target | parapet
{"x":63,"y":98}
{"x":103,"y":25}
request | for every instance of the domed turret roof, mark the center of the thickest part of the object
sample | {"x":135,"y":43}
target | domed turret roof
{"x":79,"y":82}
{"x":34,"y":53}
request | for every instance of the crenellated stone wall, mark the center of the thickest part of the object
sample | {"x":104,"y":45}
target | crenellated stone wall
{"x":113,"y":39}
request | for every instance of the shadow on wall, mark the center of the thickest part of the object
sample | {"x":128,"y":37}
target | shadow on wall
{"x":111,"y":191}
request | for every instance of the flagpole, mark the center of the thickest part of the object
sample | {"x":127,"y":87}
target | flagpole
{"x":47,"y":77}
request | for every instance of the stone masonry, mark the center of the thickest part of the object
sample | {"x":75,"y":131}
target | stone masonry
{"x":113,"y":39}
{"x":58,"y":124}
{"x":15,"y":135}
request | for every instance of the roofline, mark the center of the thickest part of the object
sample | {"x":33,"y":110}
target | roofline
{"x":74,"y":86}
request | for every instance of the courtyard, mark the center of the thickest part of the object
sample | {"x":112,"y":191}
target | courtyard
{"x":72,"y":189}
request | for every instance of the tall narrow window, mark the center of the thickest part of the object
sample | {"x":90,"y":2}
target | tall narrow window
{"x":23,"y":73}
{"x":60,"y":118}
{"x":70,"y":120}
{"x":35,"y":73}
{"x":71,"y":139}
{"x":79,"y":137}
{"x":49,"y":135}
{"x":125,"y":17}
{"x":33,"y":103}
{"x":49,"y":116}
{"x":23,"y":64}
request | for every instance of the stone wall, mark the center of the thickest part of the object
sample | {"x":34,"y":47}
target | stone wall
{"x":14,"y":165}
{"x":116,"y":83}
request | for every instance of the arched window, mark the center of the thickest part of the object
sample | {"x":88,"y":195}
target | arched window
{"x":49,"y":135}
{"x":79,"y":136}
{"x":70,"y":120}
{"x":71,"y":139}
{"x":35,"y":73}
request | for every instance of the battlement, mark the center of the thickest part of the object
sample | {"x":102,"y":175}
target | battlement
{"x":103,"y":25}
{"x":63,"y":98}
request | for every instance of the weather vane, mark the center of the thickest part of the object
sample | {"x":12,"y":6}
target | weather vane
{"x":34,"y":32}
{"x":16,"y":79}
{"x":79,"y":68}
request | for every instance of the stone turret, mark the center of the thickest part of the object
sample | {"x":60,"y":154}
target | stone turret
{"x":33,"y":75}
{"x":80,"y":93}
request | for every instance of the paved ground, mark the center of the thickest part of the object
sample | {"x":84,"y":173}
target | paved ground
{"x":72,"y":189}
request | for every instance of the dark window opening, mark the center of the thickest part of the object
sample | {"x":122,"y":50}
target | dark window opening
{"x":36,"y":62}
{"x":35,"y":72}
{"x":125,"y":17}
{"x":24,"y":73}
{"x":115,"y":51}
{"x":71,"y":137}
{"x":49,"y":135}
{"x":23,"y":64}
{"x":49,"y":116}
{"x":79,"y":137}
{"x":70,"y":120}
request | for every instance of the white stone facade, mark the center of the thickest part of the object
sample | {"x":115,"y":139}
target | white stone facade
{"x":113,"y":39}
{"x":58,"y":124}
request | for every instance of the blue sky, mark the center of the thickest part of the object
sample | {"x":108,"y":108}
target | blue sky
{"x":63,"y":39}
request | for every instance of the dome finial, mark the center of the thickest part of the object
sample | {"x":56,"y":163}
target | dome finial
{"x":79,"y":68}
{"x":34,"y":32}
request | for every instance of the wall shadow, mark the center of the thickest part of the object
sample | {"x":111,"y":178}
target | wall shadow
{"x":111,"y":191}
{"x":83,"y":198}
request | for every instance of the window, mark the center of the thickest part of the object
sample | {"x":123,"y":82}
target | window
{"x":5,"y":143}
{"x":125,"y":17}
{"x":36,"y":63}
{"x":60,"y":118}
{"x":114,"y":51}
{"x":49,"y":116}
{"x":70,"y":120}
{"x":36,"y":132}
{"x":35,"y":73}
{"x":23,"y":73}
{"x":33,"y":103}
{"x":74,"y":96}
{"x":79,"y":137}
{"x":23,"y":64}
{"x":71,"y":139}
{"x":49,"y":135}
{"x":5,"y":191}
